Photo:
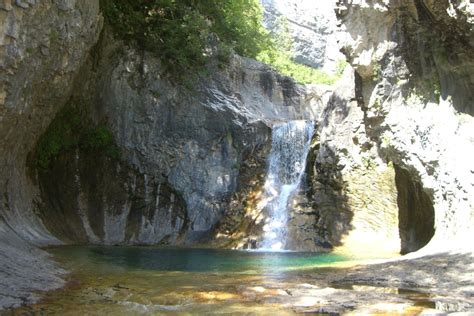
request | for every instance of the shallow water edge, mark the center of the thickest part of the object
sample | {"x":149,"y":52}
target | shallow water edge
{"x":169,"y":281}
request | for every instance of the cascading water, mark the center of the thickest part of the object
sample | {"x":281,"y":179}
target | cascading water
{"x":287,"y":162}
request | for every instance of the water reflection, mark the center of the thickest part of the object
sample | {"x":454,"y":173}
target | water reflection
{"x":169,"y":281}
{"x":199,"y":260}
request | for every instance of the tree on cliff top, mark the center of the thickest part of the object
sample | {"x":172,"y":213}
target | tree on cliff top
{"x":178,"y":31}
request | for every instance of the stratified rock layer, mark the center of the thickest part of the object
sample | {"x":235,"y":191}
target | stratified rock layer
{"x":42,"y":46}
{"x":183,"y":144}
{"x":414,"y":62}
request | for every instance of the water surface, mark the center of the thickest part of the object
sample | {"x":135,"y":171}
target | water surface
{"x":110,"y":259}
{"x":170,"y":281}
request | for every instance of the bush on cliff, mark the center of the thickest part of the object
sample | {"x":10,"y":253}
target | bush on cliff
{"x":178,"y":31}
{"x":70,"y":130}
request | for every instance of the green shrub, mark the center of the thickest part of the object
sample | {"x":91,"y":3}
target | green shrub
{"x":178,"y":31}
{"x":278,"y":54}
{"x":281,"y":61}
{"x":340,"y":67}
{"x":70,"y":130}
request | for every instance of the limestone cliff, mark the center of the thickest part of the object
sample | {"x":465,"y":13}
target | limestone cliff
{"x":311,"y":26}
{"x":352,"y":191}
{"x":42,"y":46}
{"x":182,"y":145}
{"x":390,"y":161}
{"x":414,"y":67}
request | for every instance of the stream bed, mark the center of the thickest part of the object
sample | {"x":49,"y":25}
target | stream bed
{"x":174,"y":281}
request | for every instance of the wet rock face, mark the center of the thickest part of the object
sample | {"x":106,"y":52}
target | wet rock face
{"x":197,"y":138}
{"x":184,"y":146}
{"x":91,"y":198}
{"x":242,"y":225}
{"x":413,"y":63}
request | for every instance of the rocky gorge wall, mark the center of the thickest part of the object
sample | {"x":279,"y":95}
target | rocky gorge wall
{"x":42,"y":46}
{"x":414,"y":61}
{"x":352,"y":191}
{"x":389,"y":165}
{"x":348,"y":199}
{"x":182,"y":145}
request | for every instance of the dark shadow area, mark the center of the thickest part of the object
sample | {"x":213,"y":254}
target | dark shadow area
{"x":90,"y":198}
{"x":416,"y":212}
{"x":326,"y":190}
{"x":437,"y":49}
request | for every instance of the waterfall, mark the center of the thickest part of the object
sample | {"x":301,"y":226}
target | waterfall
{"x":287,"y":162}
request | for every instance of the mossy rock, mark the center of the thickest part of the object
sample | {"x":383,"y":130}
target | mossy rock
{"x":71,"y":129}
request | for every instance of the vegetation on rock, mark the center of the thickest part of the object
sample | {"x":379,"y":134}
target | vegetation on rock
{"x":279,"y":55}
{"x":70,"y":130}
{"x":181,"y":33}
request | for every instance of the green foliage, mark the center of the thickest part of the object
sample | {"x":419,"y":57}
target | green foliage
{"x":100,"y":139}
{"x":68,"y":131}
{"x":179,"y":31}
{"x":278,"y":54}
{"x":368,"y":162}
{"x":282,"y":62}
{"x":376,"y":72}
{"x":238,"y":24}
{"x":340,"y":67}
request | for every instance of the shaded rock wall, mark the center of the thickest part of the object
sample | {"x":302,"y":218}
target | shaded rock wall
{"x":416,"y":214}
{"x":91,"y":198}
{"x":351,"y":190}
{"x":183,"y":146}
{"x":413,"y":63}
{"x":42,"y":46}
